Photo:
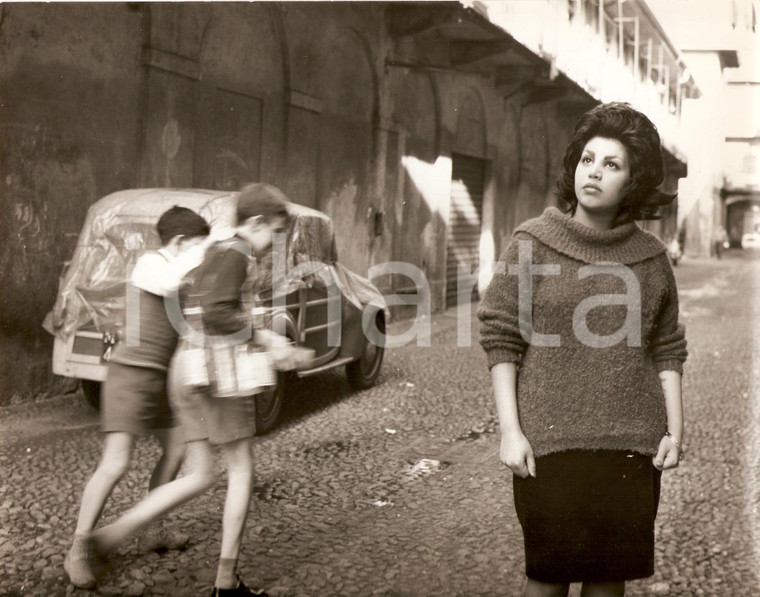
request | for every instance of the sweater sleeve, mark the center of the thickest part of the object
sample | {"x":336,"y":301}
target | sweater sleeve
{"x":667,"y":344}
{"x":498,"y":313}
{"x":221,"y":303}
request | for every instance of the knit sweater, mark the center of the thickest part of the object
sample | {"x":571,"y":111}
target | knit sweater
{"x":587,"y":368}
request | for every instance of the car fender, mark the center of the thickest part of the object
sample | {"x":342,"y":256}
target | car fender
{"x":353,"y":336}
{"x":282,"y":322}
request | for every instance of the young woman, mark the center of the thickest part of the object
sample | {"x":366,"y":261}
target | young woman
{"x":586,"y":355}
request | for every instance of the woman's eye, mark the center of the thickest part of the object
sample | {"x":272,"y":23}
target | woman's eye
{"x":586,"y":160}
{"x":612,"y":165}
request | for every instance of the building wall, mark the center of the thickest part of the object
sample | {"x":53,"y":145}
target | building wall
{"x":699,"y":192}
{"x":69,"y":123}
{"x":100,"y":97}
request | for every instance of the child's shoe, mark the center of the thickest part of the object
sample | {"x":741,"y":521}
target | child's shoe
{"x":240,"y":591}
{"x":158,"y":538}
{"x":79,"y":562}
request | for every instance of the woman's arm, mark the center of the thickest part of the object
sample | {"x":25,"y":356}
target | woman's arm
{"x":667,"y":344}
{"x":499,"y":313}
{"x":515,"y":450}
{"x":669,"y":452}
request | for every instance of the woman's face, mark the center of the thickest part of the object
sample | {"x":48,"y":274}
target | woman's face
{"x":600,"y":176}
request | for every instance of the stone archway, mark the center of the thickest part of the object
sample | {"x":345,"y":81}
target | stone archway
{"x":240,"y":100}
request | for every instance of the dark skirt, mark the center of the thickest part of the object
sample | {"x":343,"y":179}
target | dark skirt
{"x":589,"y":516}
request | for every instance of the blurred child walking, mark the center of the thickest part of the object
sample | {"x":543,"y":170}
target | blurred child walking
{"x":134,"y":397}
{"x":208,"y":420}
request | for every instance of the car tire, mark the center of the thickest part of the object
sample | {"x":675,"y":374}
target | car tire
{"x":269,"y":405}
{"x":91,"y":391}
{"x":363,"y":372}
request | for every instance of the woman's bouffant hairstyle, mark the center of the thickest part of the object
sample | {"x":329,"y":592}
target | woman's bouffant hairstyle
{"x":617,"y":120}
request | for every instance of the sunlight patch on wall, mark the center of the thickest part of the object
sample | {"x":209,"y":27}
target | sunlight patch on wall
{"x":432,"y":181}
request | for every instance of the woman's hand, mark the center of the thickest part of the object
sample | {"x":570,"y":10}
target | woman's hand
{"x":517,"y":454}
{"x":668,"y":455}
{"x":515,"y":449}
{"x":669,"y":452}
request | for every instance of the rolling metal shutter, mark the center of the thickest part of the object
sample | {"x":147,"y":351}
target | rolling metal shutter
{"x":465,"y":214}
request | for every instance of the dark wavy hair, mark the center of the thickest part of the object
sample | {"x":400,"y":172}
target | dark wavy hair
{"x":642,"y":197}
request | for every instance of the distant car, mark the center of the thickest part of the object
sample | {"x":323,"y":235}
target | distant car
{"x":751,"y":240}
{"x":674,"y":251}
{"x":318,"y":298}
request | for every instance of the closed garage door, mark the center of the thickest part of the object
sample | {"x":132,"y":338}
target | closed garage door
{"x":465,"y":215}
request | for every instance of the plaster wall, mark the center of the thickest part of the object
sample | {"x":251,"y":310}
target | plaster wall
{"x":69,"y":122}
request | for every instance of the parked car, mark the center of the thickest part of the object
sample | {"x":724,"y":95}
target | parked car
{"x":751,"y":228}
{"x":315,"y":301}
{"x":674,"y":251}
{"x":751,"y":240}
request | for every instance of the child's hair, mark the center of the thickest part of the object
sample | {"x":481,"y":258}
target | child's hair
{"x":260,"y":199}
{"x":619,"y":121}
{"x":180,"y":221}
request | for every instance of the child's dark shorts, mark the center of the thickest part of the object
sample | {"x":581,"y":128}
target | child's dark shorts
{"x":134,"y":400}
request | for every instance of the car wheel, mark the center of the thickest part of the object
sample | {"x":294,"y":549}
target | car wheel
{"x":269,"y":405}
{"x":91,"y":391}
{"x":363,"y":372}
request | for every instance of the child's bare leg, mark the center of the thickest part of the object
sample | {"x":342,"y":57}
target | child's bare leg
{"x":239,"y":486}
{"x":117,"y":453}
{"x":603,"y":589}
{"x":162,"y":499}
{"x":157,"y":536}
{"x":534,"y":588}
{"x":172,"y":456}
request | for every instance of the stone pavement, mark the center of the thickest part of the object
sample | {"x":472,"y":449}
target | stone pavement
{"x":397,"y":491}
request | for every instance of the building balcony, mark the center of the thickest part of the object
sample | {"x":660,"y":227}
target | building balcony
{"x":614,"y":50}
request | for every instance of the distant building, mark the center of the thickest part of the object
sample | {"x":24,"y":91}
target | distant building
{"x":740,"y":196}
{"x":719,"y":42}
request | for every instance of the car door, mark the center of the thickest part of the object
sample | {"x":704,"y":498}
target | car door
{"x":321,"y":302}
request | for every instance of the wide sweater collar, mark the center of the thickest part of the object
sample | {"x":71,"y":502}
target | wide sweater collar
{"x":626,"y":244}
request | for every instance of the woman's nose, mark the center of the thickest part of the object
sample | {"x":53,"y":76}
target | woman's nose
{"x":596,"y":172}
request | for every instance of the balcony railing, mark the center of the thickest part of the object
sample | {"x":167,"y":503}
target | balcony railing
{"x":612,"y":54}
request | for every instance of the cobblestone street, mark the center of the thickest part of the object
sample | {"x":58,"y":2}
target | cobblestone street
{"x":398,"y":491}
